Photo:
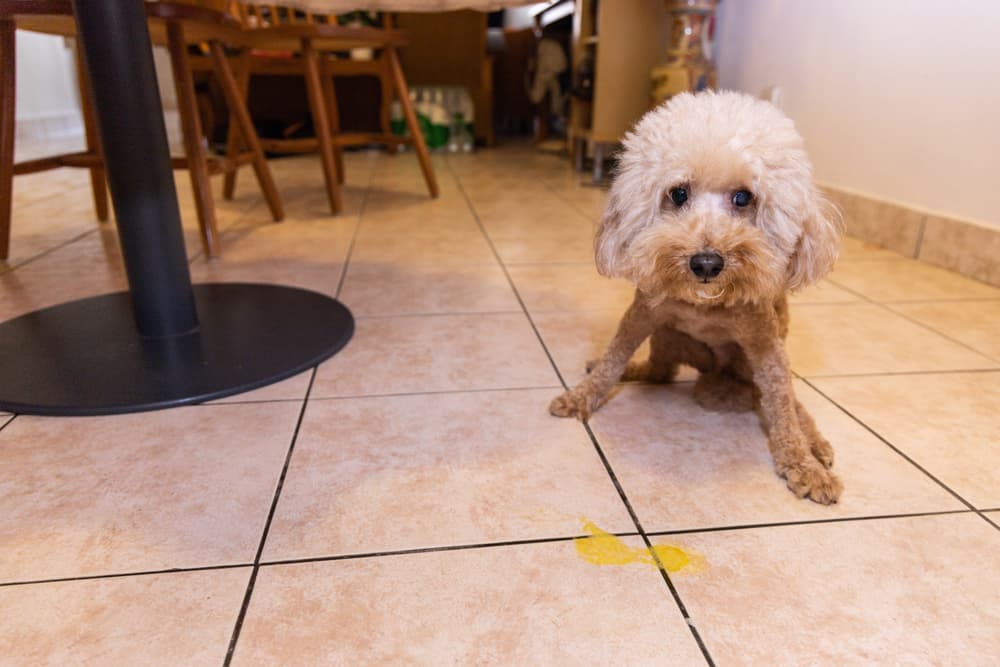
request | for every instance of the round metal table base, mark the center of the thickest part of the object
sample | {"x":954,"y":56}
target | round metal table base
{"x":86,"y":358}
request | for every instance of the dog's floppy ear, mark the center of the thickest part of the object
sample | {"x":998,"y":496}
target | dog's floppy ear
{"x":818,"y":246}
{"x":607,"y":243}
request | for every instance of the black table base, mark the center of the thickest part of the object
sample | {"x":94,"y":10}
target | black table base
{"x":85,"y":358}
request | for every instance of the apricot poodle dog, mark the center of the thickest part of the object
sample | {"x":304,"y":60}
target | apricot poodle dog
{"x":714,"y":217}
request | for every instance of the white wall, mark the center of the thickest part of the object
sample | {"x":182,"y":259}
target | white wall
{"x":896,"y":99}
{"x":47,"y":98}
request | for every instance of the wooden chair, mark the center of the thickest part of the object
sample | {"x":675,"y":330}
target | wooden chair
{"x":312,"y":46}
{"x":175,"y":25}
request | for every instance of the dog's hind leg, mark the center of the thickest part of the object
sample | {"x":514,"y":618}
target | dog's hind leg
{"x":728,"y":387}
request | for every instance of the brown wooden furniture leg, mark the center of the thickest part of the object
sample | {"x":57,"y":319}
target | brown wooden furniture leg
{"x":385,"y":86}
{"x":8,"y":87}
{"x":411,"y":120}
{"x":233,"y":137}
{"x":237,"y":110}
{"x":191,"y":128}
{"x":98,"y":180}
{"x":333,"y":114}
{"x":321,"y":121}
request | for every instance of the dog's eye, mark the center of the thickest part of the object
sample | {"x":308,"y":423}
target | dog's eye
{"x":678,"y":196}
{"x":742,"y":198}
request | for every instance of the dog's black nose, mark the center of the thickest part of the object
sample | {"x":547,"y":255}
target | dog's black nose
{"x":706,"y":264}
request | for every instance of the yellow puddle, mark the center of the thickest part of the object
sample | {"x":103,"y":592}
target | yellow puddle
{"x":603,"y":548}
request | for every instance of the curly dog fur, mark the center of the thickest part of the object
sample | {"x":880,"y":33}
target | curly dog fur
{"x":714,"y":216}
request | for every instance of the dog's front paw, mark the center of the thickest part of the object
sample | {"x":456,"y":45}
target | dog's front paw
{"x":822,"y":450}
{"x":572,"y":403}
{"x":814,"y":482}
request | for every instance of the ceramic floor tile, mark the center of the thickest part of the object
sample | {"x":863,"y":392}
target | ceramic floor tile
{"x":436,"y":353}
{"x":684,"y":467}
{"x":87,"y":267}
{"x":175,"y":488}
{"x":426,"y":471}
{"x":534,"y":604}
{"x":910,"y":591}
{"x":852,"y":248}
{"x":948,"y":423}
{"x":319,"y":241}
{"x":824,"y":292}
{"x":320,"y":275}
{"x":42,"y":226}
{"x":907,"y":280}
{"x":441,"y":248}
{"x":388,"y":289}
{"x":182,"y":618}
{"x":547,"y":245}
{"x":846,"y":339}
{"x":976,"y":324}
{"x":569,"y":287}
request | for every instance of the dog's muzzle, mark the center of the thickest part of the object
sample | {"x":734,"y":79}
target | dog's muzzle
{"x":706,"y":265}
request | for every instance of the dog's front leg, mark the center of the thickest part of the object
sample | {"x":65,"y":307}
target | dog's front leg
{"x":793,"y":460}
{"x":581,"y":401}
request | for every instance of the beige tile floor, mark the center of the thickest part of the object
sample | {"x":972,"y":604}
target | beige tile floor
{"x":410,"y":501}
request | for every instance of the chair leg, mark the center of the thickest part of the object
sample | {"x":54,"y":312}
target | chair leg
{"x":321,"y":121}
{"x":239,"y":113}
{"x":233,"y":136}
{"x":197,"y":163}
{"x":8,"y":87}
{"x":333,"y":113}
{"x":98,"y":179}
{"x":411,"y":120}
{"x":385,"y":113}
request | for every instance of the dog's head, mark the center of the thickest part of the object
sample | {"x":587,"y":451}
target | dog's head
{"x":713,"y":203}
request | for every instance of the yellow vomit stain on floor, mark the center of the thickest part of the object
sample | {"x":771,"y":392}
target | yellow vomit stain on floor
{"x":603,"y":548}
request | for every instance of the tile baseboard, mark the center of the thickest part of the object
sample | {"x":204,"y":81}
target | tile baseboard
{"x":967,"y":248}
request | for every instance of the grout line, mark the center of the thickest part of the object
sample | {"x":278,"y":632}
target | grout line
{"x":357,"y":227}
{"x":806,"y":522}
{"x":222,"y":401}
{"x":593,"y":439}
{"x":896,"y":449}
{"x":267,"y":527}
{"x":431,"y":550}
{"x":895,"y":373}
{"x":438,"y":392}
{"x":448,"y":314}
{"x":479,"y":545}
{"x":122,"y":575}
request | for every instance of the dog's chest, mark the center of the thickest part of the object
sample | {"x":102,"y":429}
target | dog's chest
{"x":708,"y":326}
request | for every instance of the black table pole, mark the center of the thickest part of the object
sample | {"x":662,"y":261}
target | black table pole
{"x":122,"y":77}
{"x":165,"y":342}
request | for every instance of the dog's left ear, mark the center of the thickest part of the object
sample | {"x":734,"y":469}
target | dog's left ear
{"x":818,"y":246}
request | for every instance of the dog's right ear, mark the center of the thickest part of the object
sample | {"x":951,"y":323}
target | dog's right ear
{"x":607,"y":243}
